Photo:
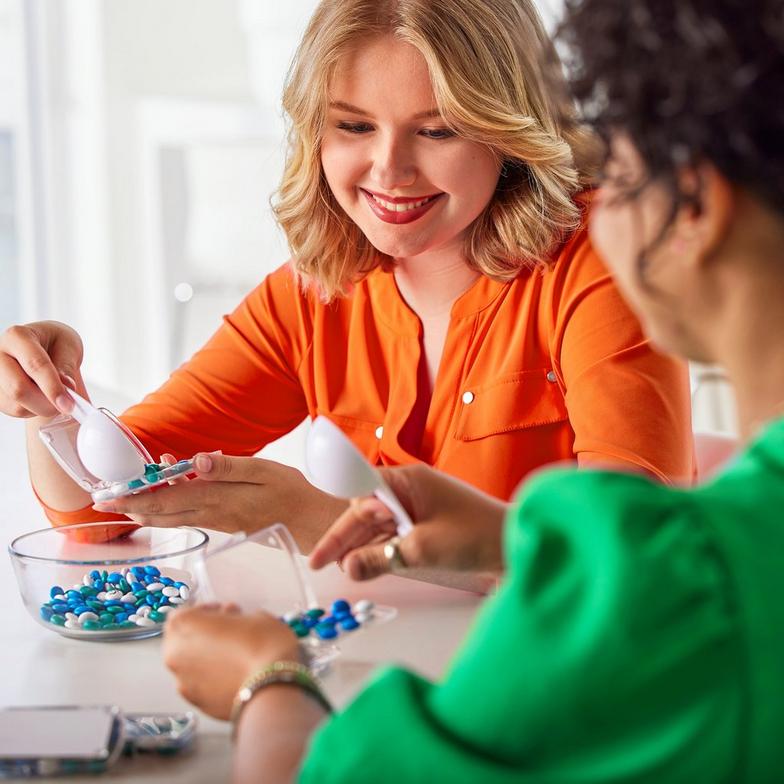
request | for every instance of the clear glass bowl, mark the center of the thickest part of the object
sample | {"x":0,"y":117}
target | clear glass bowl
{"x":86,"y":560}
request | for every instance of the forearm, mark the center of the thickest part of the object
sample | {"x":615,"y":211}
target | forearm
{"x":273,"y":733}
{"x":53,"y":486}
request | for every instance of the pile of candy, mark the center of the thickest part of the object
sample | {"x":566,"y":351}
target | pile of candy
{"x":139,"y":596}
{"x":343,"y":616}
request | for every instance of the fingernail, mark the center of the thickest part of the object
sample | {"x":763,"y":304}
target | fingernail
{"x":68,"y":380}
{"x":203,"y":463}
{"x":64,"y":403}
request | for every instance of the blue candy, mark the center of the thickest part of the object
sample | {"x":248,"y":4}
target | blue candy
{"x":331,"y":620}
{"x":152,"y":570}
{"x":120,"y":617}
{"x":340,"y":606}
{"x":137,"y":571}
{"x":56,"y":591}
{"x":46,"y":612}
{"x":95,"y":575}
{"x":81,"y":609}
{"x":73,"y":595}
{"x":349,"y":623}
{"x":326,"y":631}
{"x":167,"y":580}
{"x":113,"y":603}
{"x":61,"y":607}
{"x":114,"y":577}
{"x":99,"y":585}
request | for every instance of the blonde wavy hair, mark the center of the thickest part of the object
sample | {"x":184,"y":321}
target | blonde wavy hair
{"x":496,"y":80}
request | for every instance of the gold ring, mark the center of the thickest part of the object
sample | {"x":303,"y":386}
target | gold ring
{"x":393,"y":555}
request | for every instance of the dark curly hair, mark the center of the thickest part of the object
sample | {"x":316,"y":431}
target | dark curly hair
{"x":687,"y":81}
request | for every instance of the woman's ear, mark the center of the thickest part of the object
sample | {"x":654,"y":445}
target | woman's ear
{"x":704,"y":221}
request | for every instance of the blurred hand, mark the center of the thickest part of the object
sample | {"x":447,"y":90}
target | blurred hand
{"x":236,"y":494}
{"x":212,"y":649}
{"x":457,"y":527}
{"x":35,"y":361}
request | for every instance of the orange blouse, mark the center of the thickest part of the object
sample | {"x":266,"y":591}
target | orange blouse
{"x":547,"y":367}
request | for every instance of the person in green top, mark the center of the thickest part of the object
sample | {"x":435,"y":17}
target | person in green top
{"x":638,"y":633}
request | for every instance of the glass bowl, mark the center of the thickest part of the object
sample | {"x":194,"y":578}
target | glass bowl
{"x":106,"y":581}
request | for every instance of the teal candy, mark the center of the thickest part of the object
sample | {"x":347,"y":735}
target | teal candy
{"x":106,"y":617}
{"x":91,"y":626}
{"x":156,"y":616}
{"x":57,"y":620}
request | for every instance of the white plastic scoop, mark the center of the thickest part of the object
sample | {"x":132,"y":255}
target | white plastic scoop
{"x":337,"y":467}
{"x":103,"y":447}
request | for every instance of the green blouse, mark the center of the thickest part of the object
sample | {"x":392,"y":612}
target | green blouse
{"x":638,"y":637}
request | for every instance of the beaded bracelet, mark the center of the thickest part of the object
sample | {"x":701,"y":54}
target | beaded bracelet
{"x":295,"y":673}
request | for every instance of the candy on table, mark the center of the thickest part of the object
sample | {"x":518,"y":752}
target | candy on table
{"x":343,"y":617}
{"x":137,"y":597}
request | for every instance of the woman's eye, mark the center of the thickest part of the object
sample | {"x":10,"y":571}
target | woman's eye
{"x":355,"y":127}
{"x":437,"y":133}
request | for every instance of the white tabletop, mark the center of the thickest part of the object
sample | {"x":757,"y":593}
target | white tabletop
{"x":42,"y":668}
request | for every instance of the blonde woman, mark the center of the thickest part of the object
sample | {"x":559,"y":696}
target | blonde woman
{"x":443,"y":303}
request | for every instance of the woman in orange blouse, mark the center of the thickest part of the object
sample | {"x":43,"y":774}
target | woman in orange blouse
{"x":443,"y":303}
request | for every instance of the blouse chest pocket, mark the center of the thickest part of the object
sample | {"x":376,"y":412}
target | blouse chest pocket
{"x":526,"y":399}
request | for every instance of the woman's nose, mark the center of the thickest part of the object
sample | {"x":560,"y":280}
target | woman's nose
{"x":393,"y":164}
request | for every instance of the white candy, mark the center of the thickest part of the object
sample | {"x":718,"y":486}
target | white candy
{"x":133,"y":617}
{"x":290,"y":616}
{"x":77,"y":586}
{"x":69,"y":624}
{"x":129,"y":597}
{"x":114,"y":595}
{"x":165,"y":609}
{"x":87,"y":580}
{"x":152,"y":587}
{"x":144,"y":610}
{"x":58,"y":598}
{"x":177,"y":600}
{"x":364,"y":606}
{"x":143,"y":620}
{"x":170,"y":591}
{"x":70,"y":616}
{"x":362,"y":617}
{"x":101,"y":597}
{"x":125,"y":572}
{"x":87,"y":616}
{"x":185,"y":592}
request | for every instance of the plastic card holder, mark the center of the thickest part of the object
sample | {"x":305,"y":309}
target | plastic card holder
{"x":266,"y":571}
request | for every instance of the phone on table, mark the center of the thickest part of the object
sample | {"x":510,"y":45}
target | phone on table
{"x":48,"y":741}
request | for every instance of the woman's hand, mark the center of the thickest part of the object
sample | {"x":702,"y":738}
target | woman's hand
{"x":458,"y":528}
{"x":35,"y":359}
{"x":212,"y":649}
{"x":236,"y":494}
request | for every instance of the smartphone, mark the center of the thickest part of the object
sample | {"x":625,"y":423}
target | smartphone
{"x":46,"y":741}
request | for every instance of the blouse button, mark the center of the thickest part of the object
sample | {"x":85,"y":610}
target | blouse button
{"x":379,"y":432}
{"x":551,"y":377}
{"x":468,"y":397}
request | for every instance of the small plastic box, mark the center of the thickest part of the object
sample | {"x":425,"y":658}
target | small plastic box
{"x":265,"y":571}
{"x":59,"y":436}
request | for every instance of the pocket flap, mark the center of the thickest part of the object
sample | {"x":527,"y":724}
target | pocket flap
{"x":521,"y":400}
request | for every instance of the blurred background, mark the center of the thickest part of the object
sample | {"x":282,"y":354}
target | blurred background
{"x":140,"y":142}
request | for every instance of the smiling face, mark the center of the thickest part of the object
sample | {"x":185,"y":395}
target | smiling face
{"x":409,"y":183}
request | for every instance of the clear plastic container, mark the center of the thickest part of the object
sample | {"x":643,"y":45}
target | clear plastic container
{"x":59,"y":436}
{"x":266,"y":571}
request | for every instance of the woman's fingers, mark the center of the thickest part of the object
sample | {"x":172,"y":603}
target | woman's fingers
{"x":23,"y":345}
{"x":364,"y":520}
